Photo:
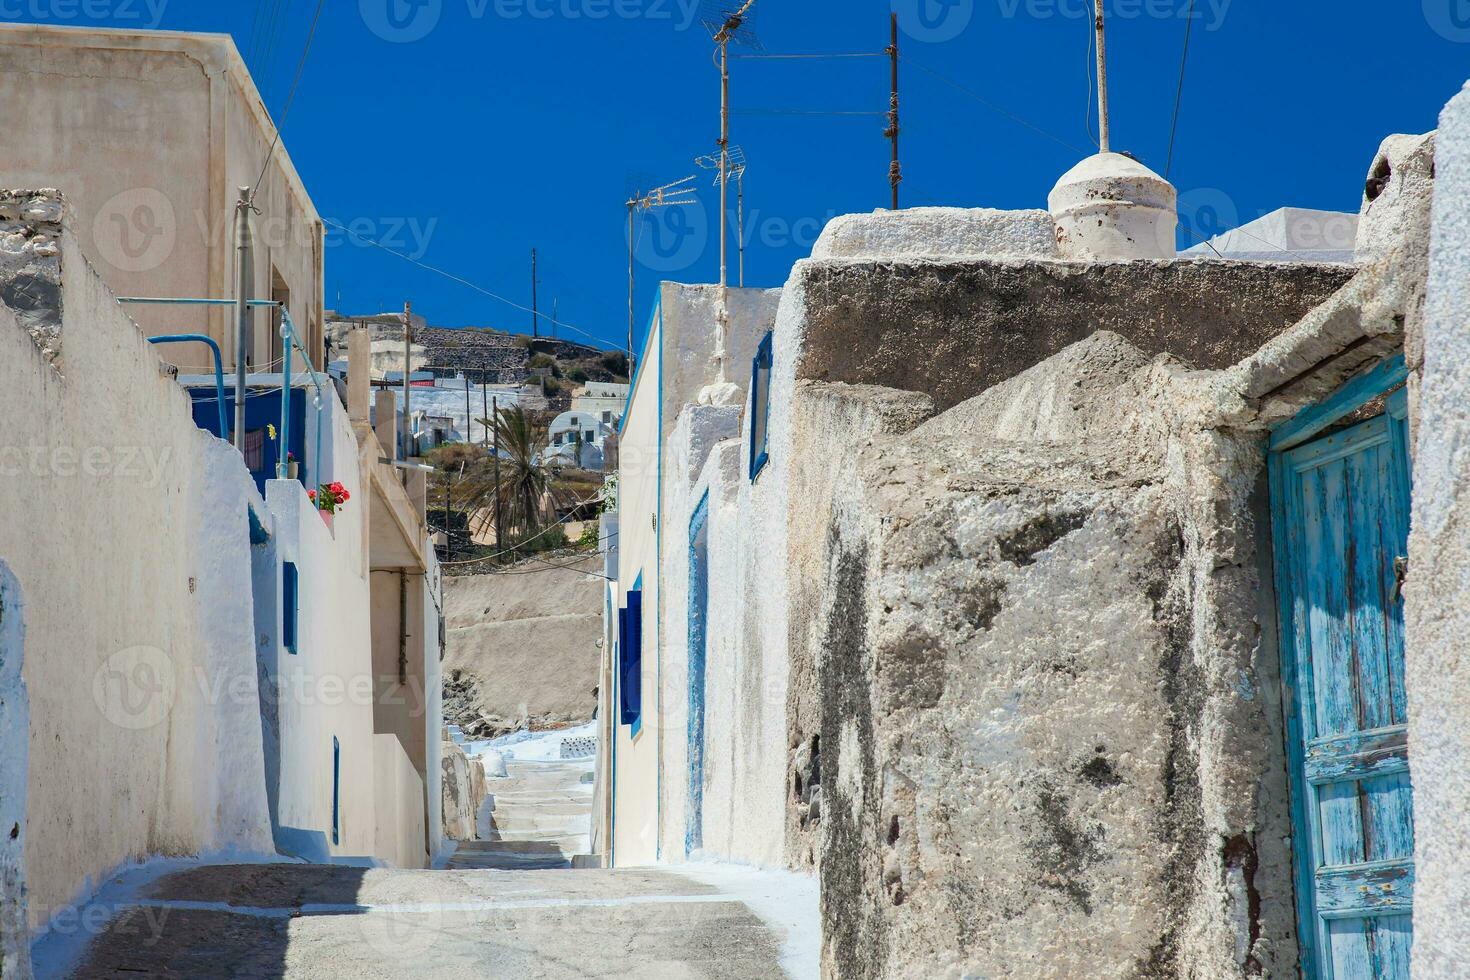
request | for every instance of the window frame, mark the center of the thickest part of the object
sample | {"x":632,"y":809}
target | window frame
{"x":760,"y":405}
{"x":291,"y":606}
{"x":630,"y":659}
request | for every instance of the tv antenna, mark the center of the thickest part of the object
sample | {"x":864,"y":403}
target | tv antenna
{"x":675,"y":194}
{"x":1099,"y":25}
{"x":726,"y":22}
{"x":735,"y":169}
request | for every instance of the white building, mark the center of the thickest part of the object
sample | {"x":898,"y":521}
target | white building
{"x":602,"y":400}
{"x":577,"y":438}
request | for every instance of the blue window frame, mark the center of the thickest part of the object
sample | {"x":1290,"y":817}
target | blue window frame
{"x":630,"y":660}
{"x":336,"y":791}
{"x":289,"y":605}
{"x":760,"y":407}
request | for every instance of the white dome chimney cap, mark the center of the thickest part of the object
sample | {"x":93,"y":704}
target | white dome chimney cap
{"x":1111,"y":207}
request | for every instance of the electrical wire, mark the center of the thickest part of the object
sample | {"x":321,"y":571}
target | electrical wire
{"x":465,"y":282}
{"x":993,"y":107}
{"x":509,"y":551}
{"x":1091,"y":67}
{"x":805,"y":112}
{"x":792,"y":57}
{"x":1179,"y":94}
{"x":290,"y":98}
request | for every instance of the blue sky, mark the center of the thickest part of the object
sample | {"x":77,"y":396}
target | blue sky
{"x":467,"y":132}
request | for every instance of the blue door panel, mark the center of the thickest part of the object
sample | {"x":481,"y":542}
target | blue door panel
{"x":1341,"y":508}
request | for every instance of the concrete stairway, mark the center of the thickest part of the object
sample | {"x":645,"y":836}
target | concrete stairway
{"x":536,"y":818}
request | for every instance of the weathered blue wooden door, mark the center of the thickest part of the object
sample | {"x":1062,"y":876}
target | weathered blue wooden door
{"x":1341,"y":510}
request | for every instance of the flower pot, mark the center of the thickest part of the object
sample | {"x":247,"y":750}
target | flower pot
{"x":291,"y":470}
{"x":327,"y":517}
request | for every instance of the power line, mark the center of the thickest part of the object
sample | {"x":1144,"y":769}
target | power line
{"x":1179,"y":94}
{"x":806,"y":112}
{"x":465,"y":282}
{"x":290,"y":97}
{"x":792,"y":57}
{"x":992,"y":106}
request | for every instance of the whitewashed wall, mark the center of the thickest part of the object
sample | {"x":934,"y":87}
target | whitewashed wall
{"x":126,"y":526}
{"x":326,"y":688}
{"x":1437,"y":595}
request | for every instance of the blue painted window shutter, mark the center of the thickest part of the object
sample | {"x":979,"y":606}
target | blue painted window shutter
{"x":289,"y":604}
{"x":630,"y":660}
{"x":336,"y":791}
{"x":760,"y":407}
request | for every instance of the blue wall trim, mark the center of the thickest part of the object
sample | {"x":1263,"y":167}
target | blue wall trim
{"x":760,"y":405}
{"x":1360,"y":389}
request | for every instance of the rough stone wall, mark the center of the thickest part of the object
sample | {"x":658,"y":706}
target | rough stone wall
{"x":831,"y":425}
{"x":951,"y":329}
{"x":1437,"y":594}
{"x":1045,"y":747}
{"x":521,"y":650}
{"x":30,"y":263}
{"x":464,"y":792}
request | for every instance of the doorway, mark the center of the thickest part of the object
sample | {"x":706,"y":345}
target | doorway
{"x":1340,"y":490}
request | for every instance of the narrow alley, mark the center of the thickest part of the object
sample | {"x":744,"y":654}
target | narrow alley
{"x":508,"y":905}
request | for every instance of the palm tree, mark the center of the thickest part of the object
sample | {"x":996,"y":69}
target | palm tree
{"x":523,"y":480}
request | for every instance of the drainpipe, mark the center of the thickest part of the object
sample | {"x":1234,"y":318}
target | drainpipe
{"x":245,"y":278}
{"x":403,"y":627}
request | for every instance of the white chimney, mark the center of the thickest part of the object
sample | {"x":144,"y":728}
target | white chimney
{"x":1110,"y":207}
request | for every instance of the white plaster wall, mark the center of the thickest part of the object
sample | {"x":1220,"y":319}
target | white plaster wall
{"x":1437,"y":594}
{"x":634,"y":797}
{"x":400,"y":815}
{"x":174,"y":125}
{"x":700,"y":428}
{"x":123,"y":762}
{"x":327,"y":686}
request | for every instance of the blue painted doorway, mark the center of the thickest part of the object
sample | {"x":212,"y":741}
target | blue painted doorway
{"x":1340,"y":488}
{"x":698,"y":648}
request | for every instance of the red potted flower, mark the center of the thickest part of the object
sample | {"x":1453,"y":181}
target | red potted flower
{"x":329,"y":497}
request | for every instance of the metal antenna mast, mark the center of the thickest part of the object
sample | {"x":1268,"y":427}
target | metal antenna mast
{"x":1102,"y":78}
{"x":669,"y":195}
{"x":726,"y":24}
{"x":735,"y":156}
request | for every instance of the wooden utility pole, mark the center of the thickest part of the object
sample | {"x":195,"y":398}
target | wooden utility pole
{"x":535,"y":315}
{"x":485,"y":406}
{"x":895,"y":171}
{"x":469,"y":418}
{"x":495,"y":422}
{"x":407,"y":427}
